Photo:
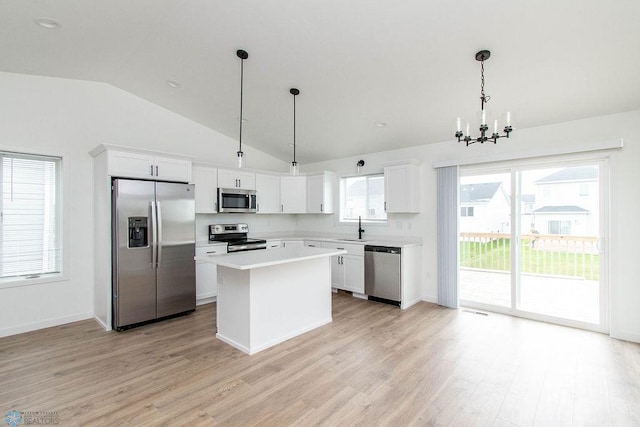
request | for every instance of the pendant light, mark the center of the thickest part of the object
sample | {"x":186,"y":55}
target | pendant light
{"x":242,"y":54}
{"x":294,"y":169}
{"x":482,"y":56}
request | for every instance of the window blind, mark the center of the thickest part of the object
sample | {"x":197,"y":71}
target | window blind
{"x":30,"y":215}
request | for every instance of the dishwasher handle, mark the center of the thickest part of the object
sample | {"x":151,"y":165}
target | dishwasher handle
{"x":383,"y":249}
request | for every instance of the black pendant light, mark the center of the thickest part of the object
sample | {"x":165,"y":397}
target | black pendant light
{"x":482,"y":56}
{"x":293,"y":169}
{"x":242,"y":54}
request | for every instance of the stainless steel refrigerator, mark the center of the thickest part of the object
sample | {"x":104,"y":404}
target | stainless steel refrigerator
{"x":153,"y":244}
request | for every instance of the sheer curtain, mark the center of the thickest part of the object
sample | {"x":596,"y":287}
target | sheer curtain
{"x":448,"y":236}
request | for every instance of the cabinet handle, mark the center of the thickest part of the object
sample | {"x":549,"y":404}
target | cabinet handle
{"x":281,"y":208}
{"x":385,"y":206}
{"x":321,"y":208}
{"x":340,"y":249}
{"x":215,"y":206}
{"x":258,"y":207}
{"x":239,"y":183}
{"x":151,"y":171}
{"x":156,"y":170}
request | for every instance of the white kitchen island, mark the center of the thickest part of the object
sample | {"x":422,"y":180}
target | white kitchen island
{"x":266,"y":297}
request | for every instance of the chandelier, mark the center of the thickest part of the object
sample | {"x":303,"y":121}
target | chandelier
{"x":482,"y":56}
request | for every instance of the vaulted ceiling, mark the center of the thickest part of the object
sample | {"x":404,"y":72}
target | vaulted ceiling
{"x":358,"y":63}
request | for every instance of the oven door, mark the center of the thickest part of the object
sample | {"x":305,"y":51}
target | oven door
{"x":233,"y":200}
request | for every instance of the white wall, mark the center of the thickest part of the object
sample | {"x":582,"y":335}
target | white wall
{"x":625,"y":203}
{"x":71,"y":117}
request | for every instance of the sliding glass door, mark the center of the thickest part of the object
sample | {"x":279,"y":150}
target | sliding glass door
{"x":530,"y":242}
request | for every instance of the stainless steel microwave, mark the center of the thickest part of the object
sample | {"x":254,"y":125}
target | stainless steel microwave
{"x":235,"y":200}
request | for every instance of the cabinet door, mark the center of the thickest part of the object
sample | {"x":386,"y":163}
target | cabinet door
{"x":320,"y":193}
{"x":293,"y":194}
{"x":337,"y":272}
{"x":130,"y":165}
{"x":169,"y":169}
{"x":268,"y":193}
{"x":236,"y":179}
{"x":292,"y":243}
{"x":206,"y":189}
{"x":206,"y":273}
{"x":353,"y":273}
{"x":401,"y":188}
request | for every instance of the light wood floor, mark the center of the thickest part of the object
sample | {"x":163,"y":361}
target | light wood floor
{"x":374,"y":365}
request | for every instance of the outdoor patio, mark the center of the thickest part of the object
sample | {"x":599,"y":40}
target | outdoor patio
{"x":570,"y":298}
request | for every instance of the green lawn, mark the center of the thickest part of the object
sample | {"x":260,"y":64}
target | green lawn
{"x":496,"y":255}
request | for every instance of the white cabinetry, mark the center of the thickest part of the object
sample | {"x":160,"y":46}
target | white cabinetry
{"x":137,"y":165}
{"x":313,"y":243}
{"x":347,"y":271}
{"x":401,"y":192}
{"x":271,"y":244}
{"x":268,"y":193}
{"x":293,"y":194}
{"x":320,"y":192}
{"x":205,"y":180}
{"x":206,"y":273}
{"x":236,"y":179}
{"x":292,"y":243}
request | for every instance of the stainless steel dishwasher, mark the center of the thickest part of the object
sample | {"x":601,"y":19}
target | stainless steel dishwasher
{"x":382,"y":273}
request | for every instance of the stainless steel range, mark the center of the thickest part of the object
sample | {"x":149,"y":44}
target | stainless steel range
{"x":235,"y":235}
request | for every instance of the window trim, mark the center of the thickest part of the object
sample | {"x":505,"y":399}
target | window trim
{"x":341,"y":219}
{"x":65,"y":244}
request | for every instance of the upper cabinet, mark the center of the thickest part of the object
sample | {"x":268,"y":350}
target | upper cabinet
{"x":401,"y":192}
{"x":320,"y":192}
{"x":268,"y":193}
{"x":293,"y":194}
{"x":205,"y":180}
{"x":146,"y":166}
{"x":228,"y":178}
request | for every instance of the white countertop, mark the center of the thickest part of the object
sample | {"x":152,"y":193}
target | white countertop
{"x":255,"y":259}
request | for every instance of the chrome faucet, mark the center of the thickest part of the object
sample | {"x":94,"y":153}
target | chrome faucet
{"x":360,"y":229}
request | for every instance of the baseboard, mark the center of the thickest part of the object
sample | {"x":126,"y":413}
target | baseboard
{"x":404,"y":305}
{"x":431,"y":299}
{"x":203,"y":299}
{"x":101,"y":323}
{"x":29,"y":327}
{"x":626,"y":336}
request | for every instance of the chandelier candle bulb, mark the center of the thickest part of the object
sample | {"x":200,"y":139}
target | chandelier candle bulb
{"x":495,"y":126}
{"x":484,"y":117}
{"x":468,"y":128}
{"x":458,"y":125}
{"x":508,"y":118}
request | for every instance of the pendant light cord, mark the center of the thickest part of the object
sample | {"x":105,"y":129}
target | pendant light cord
{"x":241,"y":97}
{"x":294,"y":128}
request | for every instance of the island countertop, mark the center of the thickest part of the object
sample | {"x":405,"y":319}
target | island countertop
{"x":264,"y":258}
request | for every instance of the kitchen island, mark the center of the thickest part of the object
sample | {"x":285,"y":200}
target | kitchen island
{"x":267,"y":297}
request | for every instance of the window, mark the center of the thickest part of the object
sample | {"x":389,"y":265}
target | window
{"x":362,"y":196}
{"x":30,"y":227}
{"x":466,"y":211}
{"x":559,"y":227}
{"x":584,"y":189}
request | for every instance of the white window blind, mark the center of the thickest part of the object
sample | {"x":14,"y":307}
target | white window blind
{"x":362,"y":196}
{"x":30,"y":238}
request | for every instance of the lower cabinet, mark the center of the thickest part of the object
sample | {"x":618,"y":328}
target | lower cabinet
{"x":292,"y":243}
{"x":347,"y":271}
{"x":207,"y":273}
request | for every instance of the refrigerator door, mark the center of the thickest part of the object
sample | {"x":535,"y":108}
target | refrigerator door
{"x":134,"y":274}
{"x":176,"y":283}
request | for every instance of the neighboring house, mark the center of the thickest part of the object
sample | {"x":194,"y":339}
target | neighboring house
{"x":484,"y":208}
{"x":567,"y":202}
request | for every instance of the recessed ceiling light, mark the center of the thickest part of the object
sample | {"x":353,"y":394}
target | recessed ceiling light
{"x":48,"y":23}
{"x":381,"y":124}
{"x":174,"y":84}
